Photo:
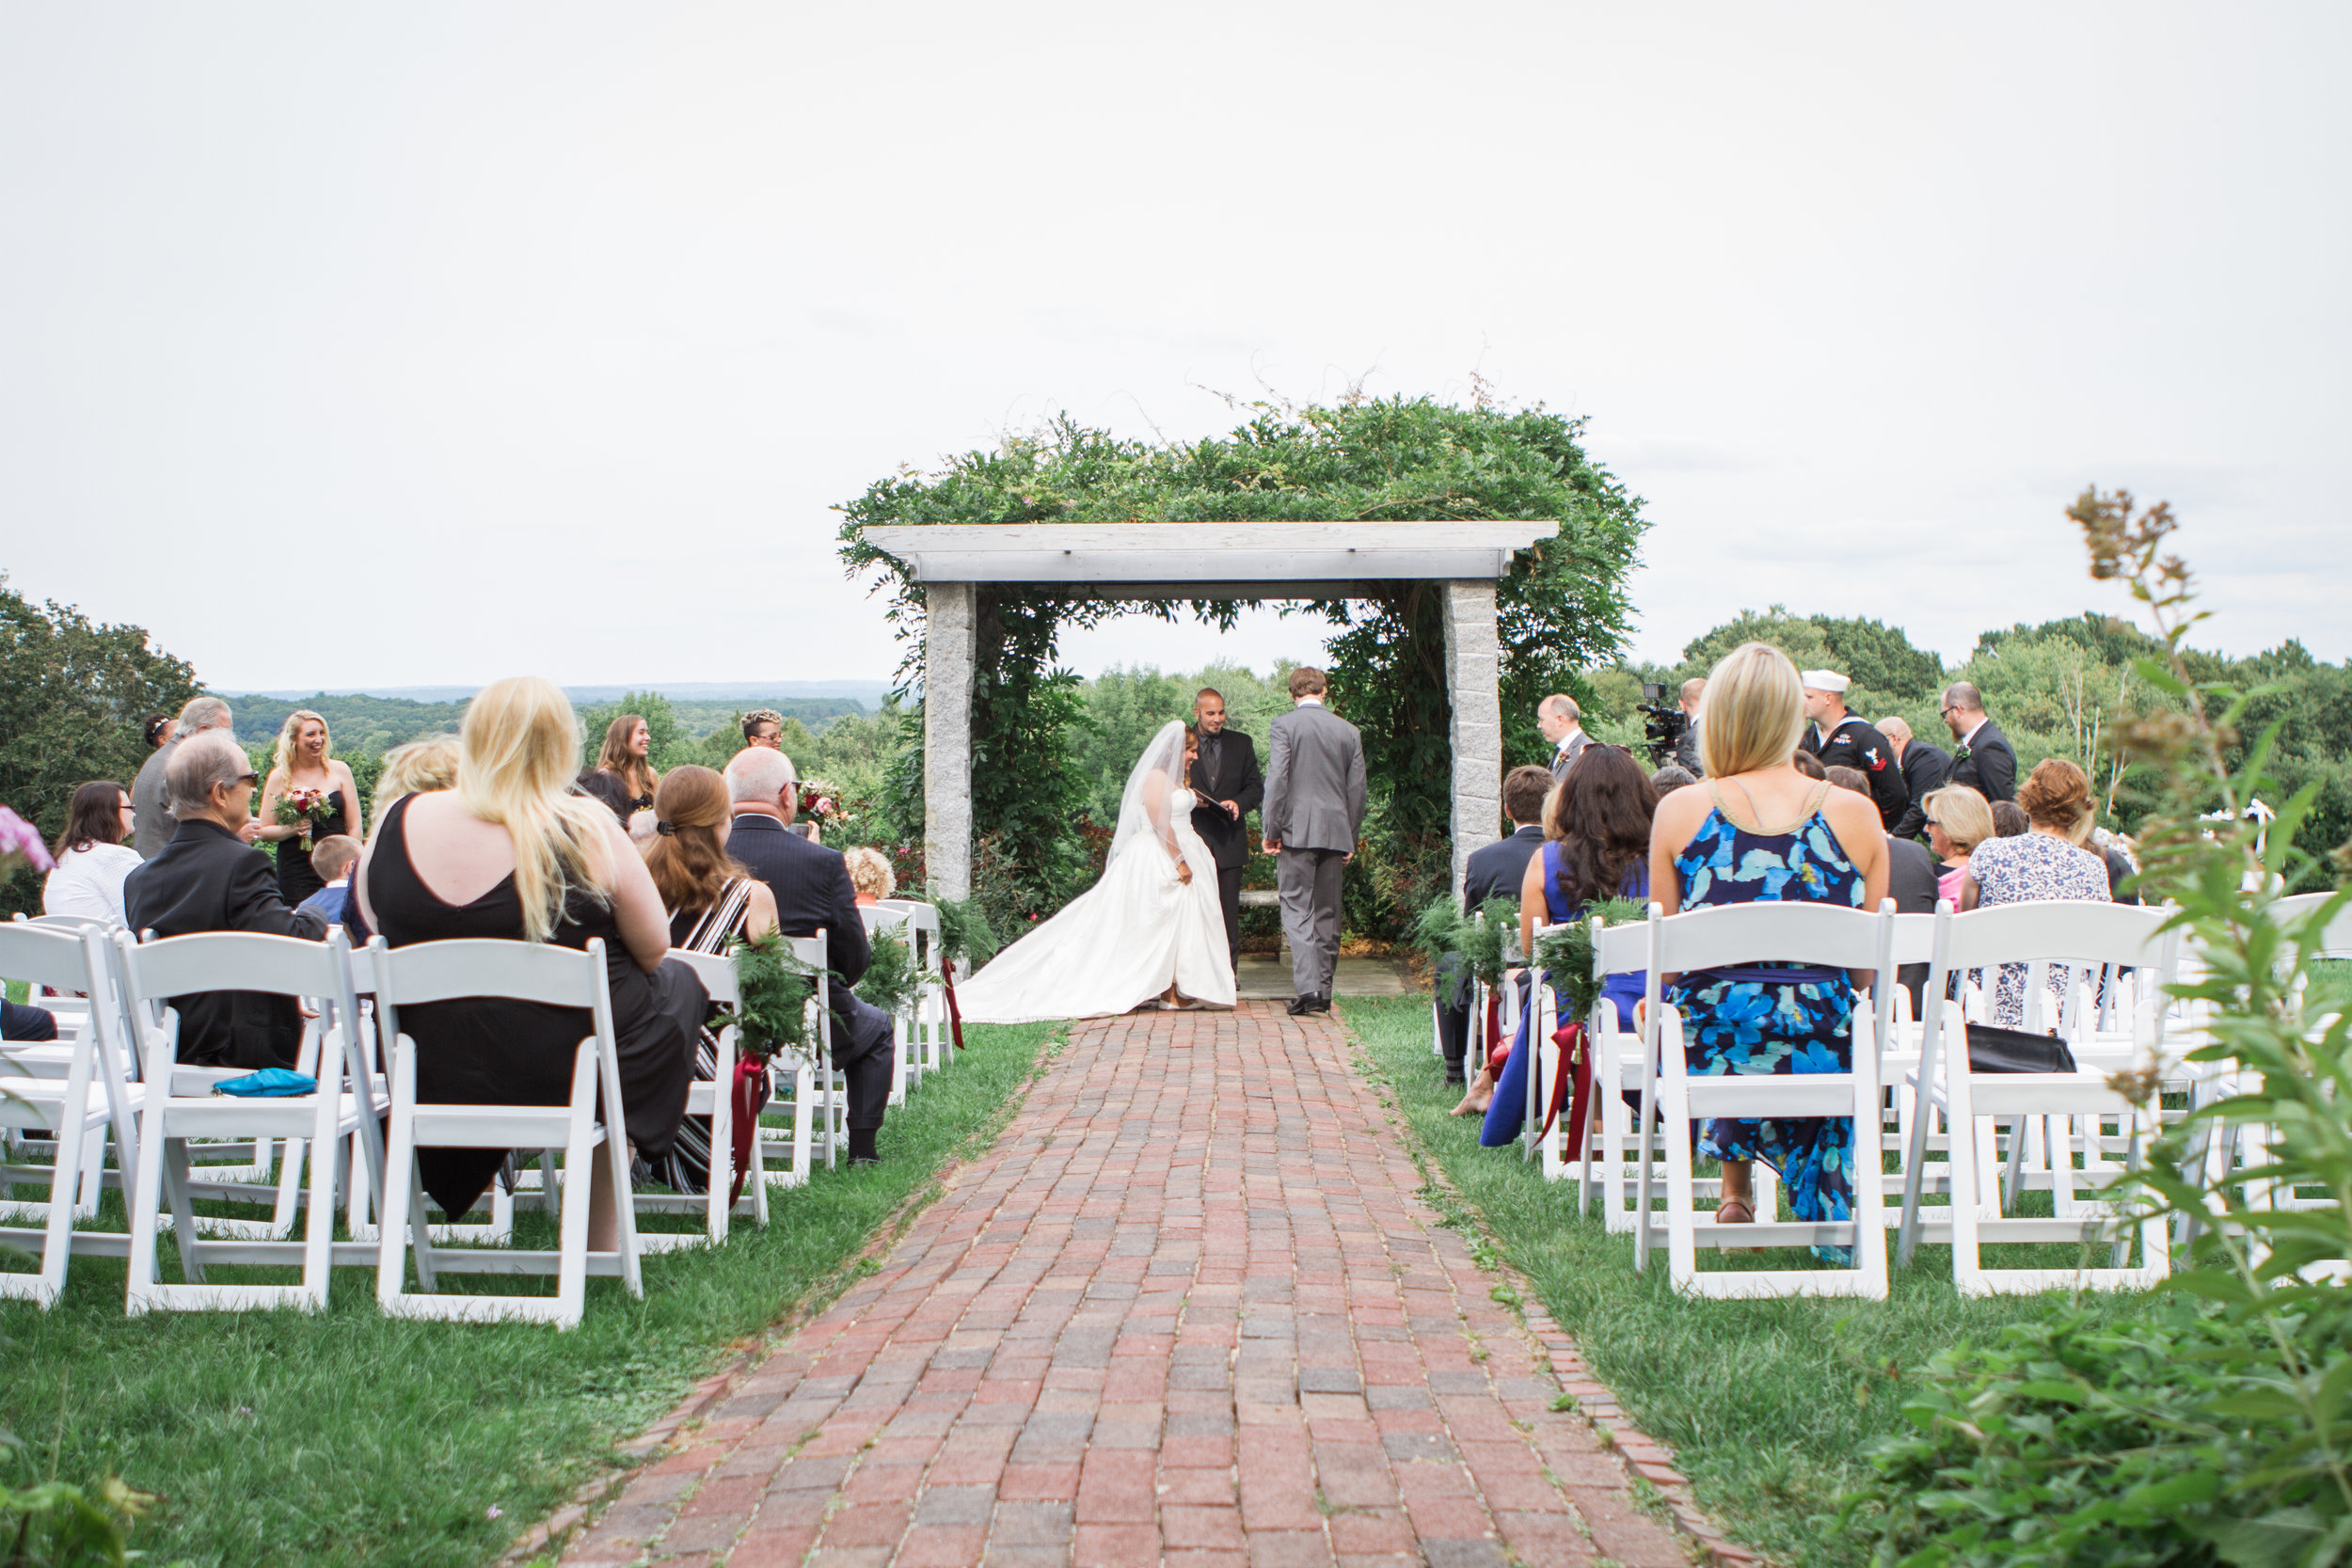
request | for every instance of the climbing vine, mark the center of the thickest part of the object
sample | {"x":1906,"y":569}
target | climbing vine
{"x":1562,"y":609}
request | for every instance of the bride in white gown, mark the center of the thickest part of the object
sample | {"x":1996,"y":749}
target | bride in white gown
{"x":1151,"y":927}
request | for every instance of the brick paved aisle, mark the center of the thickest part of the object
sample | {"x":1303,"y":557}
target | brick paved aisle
{"x":1188,"y":1311}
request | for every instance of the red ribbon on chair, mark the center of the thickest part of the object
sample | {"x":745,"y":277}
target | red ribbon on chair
{"x":955,"y":1018}
{"x":748,"y":1094}
{"x":1574,"y":1062}
{"x":1497,"y":1050}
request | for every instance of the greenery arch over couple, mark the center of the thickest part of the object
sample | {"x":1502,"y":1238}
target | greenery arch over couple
{"x":1563,"y":609}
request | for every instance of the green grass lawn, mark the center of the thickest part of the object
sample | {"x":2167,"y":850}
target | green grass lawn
{"x":1768,"y":1404}
{"x":278,"y":1437}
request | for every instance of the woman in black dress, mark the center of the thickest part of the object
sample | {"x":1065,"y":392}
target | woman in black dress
{"x":712,"y":900}
{"x":305,"y":761}
{"x":512,"y":853}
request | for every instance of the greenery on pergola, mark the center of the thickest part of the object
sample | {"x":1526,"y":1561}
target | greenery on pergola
{"x":1561,"y":611}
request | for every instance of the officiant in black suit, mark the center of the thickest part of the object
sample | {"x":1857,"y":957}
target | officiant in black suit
{"x":1226,"y":778}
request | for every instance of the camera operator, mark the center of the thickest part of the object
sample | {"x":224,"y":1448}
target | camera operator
{"x":1687,"y":749}
{"x":1842,"y":739}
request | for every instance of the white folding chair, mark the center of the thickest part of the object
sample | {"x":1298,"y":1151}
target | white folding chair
{"x":800,"y":1085}
{"x":180,"y":1104}
{"x":76,"y":1100}
{"x":933,"y":1046}
{"x":1820,"y":935}
{"x":518,"y":972}
{"x":714,"y":1098}
{"x":897,"y":923}
{"x":2066,"y":1110}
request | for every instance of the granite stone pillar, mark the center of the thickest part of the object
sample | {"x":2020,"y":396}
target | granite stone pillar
{"x":1473,"y":680}
{"x":948,"y":671}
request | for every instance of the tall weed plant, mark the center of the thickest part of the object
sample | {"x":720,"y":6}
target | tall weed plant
{"x":2218,"y":1427}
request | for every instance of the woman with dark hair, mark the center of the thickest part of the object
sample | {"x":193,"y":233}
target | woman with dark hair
{"x":93,"y":855}
{"x":711,"y":901}
{"x":1596,"y":847}
{"x":623,"y":778}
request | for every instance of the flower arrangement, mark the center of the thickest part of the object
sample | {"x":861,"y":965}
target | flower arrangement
{"x":20,"y":845}
{"x":308,"y":807}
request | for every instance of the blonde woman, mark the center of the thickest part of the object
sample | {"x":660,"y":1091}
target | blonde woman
{"x":419,"y":767}
{"x":305,"y":761}
{"x":1958,"y":820}
{"x":1757,"y":832}
{"x":511,"y":854}
{"x":622,"y":776}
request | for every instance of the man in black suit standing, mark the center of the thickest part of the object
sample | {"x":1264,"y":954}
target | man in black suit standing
{"x":1925,"y":768}
{"x":1983,"y":760}
{"x":1226,"y":779}
{"x":208,"y":878}
{"x":812,"y":894}
{"x":1495,"y":871}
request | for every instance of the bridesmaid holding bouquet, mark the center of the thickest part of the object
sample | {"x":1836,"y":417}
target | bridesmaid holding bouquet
{"x":307,"y":796}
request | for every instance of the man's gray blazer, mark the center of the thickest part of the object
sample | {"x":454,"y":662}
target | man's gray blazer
{"x":1314,"y":781}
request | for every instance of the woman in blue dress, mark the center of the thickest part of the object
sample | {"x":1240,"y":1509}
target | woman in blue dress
{"x":1758,"y":830}
{"x":1597,"y":828}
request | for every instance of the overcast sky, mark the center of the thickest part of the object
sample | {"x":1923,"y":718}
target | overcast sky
{"x":433,"y":343}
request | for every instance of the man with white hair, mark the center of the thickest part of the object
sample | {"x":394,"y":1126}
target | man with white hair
{"x":1842,"y":739}
{"x":1926,"y":769}
{"x":814,"y":894}
{"x":151,"y":828}
{"x":1559,"y":721}
{"x":207,"y":879}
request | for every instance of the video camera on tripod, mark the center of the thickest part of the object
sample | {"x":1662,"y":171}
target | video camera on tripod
{"x":1663,"y":724}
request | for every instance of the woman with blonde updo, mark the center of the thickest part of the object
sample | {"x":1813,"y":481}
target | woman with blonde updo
{"x":712,"y":901}
{"x":870,"y":877}
{"x":2039,"y":864}
{"x":513,"y":854}
{"x":305,"y":760}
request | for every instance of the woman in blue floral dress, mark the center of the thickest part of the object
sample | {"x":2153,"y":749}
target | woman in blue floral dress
{"x":1761,"y":832}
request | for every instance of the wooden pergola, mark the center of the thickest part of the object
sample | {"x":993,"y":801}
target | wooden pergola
{"x":956,"y":564}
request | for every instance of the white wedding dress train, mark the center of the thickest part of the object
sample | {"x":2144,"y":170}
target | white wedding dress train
{"x":1122,"y":942}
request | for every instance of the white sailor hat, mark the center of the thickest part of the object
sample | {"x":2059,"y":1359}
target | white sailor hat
{"x":1823,"y":680}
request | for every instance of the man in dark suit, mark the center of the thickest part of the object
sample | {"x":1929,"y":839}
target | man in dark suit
{"x":1225,"y":776}
{"x":207,"y":879}
{"x":1495,"y":871}
{"x":812,"y":894}
{"x":1983,"y":760}
{"x":1909,"y":881}
{"x":1926,"y":769}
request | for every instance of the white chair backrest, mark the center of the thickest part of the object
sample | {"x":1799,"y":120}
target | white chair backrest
{"x":716,"y":971}
{"x":509,"y":970}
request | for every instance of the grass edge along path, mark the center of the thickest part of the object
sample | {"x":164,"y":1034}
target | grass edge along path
{"x":351,"y":1438}
{"x":1766,"y":1406}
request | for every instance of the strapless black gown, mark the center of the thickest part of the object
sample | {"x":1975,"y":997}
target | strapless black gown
{"x":492,"y":1052}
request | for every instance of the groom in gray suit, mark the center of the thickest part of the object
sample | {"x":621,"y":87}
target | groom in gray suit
{"x":1314,"y":805}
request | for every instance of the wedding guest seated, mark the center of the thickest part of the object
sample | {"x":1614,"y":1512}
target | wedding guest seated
{"x":419,"y":767}
{"x":622,"y":778}
{"x":713,"y":902}
{"x":2010,"y":820}
{"x":334,"y":856}
{"x":1911,"y":880}
{"x":2039,"y":864}
{"x":208,"y":878}
{"x":1597,"y":831}
{"x":870,"y":874}
{"x":1493,"y":871}
{"x":1958,"y":820}
{"x":93,"y":854}
{"x":1761,"y":831}
{"x":1672,"y":776}
{"x":812,"y":894}
{"x":513,"y":854}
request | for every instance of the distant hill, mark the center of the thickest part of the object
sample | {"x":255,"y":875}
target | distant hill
{"x":366,"y":723}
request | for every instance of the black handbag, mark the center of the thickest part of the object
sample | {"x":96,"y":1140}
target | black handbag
{"x":1991,"y":1050}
